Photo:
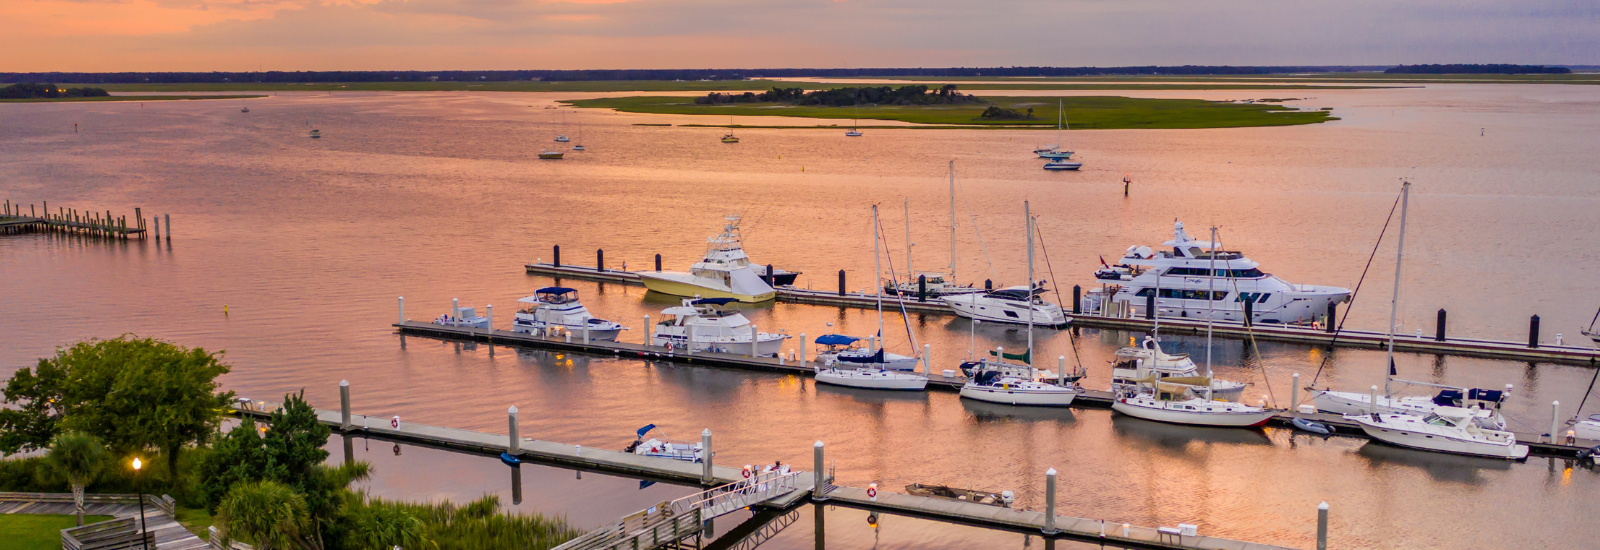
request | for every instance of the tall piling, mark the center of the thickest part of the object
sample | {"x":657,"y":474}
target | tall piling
{"x":1438,"y":328}
{"x":344,"y":405}
{"x":514,"y":445}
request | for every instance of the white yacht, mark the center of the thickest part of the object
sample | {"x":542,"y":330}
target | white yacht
{"x":1446,"y":429}
{"x":1587,"y":429}
{"x":869,"y":377}
{"x":1184,"y":280}
{"x":838,"y":348}
{"x":558,"y":308}
{"x":1179,"y":404}
{"x":664,"y":448}
{"x":850,"y":368}
{"x":1348,"y":403}
{"x":1009,"y":305}
{"x":724,"y":272}
{"x":712,"y":329}
{"x":1147,"y":360}
{"x":563,"y":138}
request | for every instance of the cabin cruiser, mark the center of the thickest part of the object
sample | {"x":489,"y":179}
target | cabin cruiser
{"x":1012,"y":384}
{"x":939,"y":285}
{"x":712,"y":328}
{"x":1147,"y":360}
{"x":724,"y":272}
{"x":664,"y":448}
{"x":1446,"y":429}
{"x":558,"y":308}
{"x":838,"y":348}
{"x":1062,"y":164}
{"x":463,"y":317}
{"x":1185,"y":404}
{"x":1182,"y":277}
{"x":1351,"y":403}
{"x":1587,"y":429}
{"x":1009,"y":305}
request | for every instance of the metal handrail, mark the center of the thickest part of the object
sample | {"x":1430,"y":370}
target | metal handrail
{"x":739,"y":494}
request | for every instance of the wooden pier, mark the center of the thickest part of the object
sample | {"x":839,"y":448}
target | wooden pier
{"x":1428,"y":344}
{"x":1096,"y":399}
{"x":644,"y":530}
{"x":14,"y":220}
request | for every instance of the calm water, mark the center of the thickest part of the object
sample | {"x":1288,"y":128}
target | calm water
{"x":437,"y":196}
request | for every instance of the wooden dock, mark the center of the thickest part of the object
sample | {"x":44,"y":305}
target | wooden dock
{"x":1467,"y":347}
{"x":69,"y":221}
{"x":1096,"y":399}
{"x":637,"y":466}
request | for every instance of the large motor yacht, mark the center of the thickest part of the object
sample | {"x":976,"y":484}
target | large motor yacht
{"x":724,"y":272}
{"x":1182,"y":274}
{"x":1009,"y":305}
{"x":712,"y":327}
{"x":558,"y":308}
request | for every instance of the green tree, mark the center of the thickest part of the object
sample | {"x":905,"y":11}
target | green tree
{"x":238,"y":456}
{"x":132,"y":393}
{"x":79,"y":459}
{"x":386,"y":527}
{"x":267,"y":513}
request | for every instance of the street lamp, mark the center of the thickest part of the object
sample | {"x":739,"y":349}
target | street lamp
{"x":144,"y":534}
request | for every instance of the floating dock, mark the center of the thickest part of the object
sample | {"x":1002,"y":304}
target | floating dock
{"x":936,"y":382}
{"x":1431,"y":344}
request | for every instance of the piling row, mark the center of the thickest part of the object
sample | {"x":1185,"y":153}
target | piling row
{"x":70,"y":221}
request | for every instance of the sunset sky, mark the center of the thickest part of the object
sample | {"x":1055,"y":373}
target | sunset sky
{"x":241,"y":35}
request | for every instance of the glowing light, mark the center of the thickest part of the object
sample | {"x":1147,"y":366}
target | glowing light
{"x":136,"y":463}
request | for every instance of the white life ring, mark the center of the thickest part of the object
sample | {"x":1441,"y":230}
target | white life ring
{"x":746,"y":472}
{"x":872,"y":492}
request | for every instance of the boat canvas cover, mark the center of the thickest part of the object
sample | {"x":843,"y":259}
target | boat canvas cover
{"x":874,"y":358}
{"x":646,"y":429}
{"x":1026,"y":356}
{"x":836,"y":340}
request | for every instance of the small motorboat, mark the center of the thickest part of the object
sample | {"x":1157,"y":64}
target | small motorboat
{"x":1447,"y":430}
{"x":1062,"y":164}
{"x":244,"y":109}
{"x":551,"y":155}
{"x":663,"y":447}
{"x":563,"y":138}
{"x":1310,"y":426}
{"x":578,"y":148}
{"x":316,"y":134}
{"x":1002,"y":499}
{"x":463,"y":317}
{"x":510,"y":460}
{"x":730,"y":138}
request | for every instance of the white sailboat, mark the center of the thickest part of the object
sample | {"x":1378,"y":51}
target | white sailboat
{"x":1055,"y":153}
{"x":872,"y":372}
{"x":933,"y":283}
{"x":999,"y":382}
{"x":854,"y":122}
{"x":724,"y":272}
{"x":579,"y":146}
{"x":1179,"y":403}
{"x":1148,"y":360}
{"x":1447,"y":429}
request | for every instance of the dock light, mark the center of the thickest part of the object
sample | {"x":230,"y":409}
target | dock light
{"x":137,"y":464}
{"x":144,"y":534}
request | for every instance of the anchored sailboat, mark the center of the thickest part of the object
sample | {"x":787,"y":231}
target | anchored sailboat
{"x":934,"y":284}
{"x":873,"y":371}
{"x":1055,"y":153}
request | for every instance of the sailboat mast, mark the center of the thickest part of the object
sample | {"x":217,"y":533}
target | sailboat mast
{"x":877,"y":271}
{"x":910,"y":273}
{"x":1211,"y":287}
{"x":1029,"y":215}
{"x":1059,"y":114}
{"x":953,"y":223}
{"x":1394,"y":303}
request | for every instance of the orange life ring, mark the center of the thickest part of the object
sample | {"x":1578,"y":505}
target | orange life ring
{"x":747,"y":472}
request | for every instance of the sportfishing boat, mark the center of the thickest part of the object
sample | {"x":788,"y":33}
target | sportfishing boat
{"x":1056,"y":153}
{"x":730,"y":138}
{"x":1446,"y":429}
{"x":1183,"y":280}
{"x":1179,"y":404}
{"x":712,"y":328}
{"x":1016,"y":304}
{"x":664,"y":448}
{"x":724,"y":272}
{"x":551,"y":155}
{"x":873,"y":371}
{"x":463,"y":317}
{"x":838,"y":348}
{"x":1147,"y":360}
{"x":1062,"y":164}
{"x":1358,"y":403}
{"x":558,"y":308}
{"x":316,"y":134}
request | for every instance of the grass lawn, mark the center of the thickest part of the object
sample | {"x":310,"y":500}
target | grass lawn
{"x":1095,"y":113}
{"x":196,"y":520}
{"x":37,"y":531}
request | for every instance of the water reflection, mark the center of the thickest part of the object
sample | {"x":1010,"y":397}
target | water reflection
{"x":1182,"y":438}
{"x":985,"y":412}
{"x":1443,"y":467}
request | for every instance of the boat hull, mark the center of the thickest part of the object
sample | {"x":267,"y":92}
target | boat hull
{"x":872,"y":379}
{"x":971,"y":307}
{"x":680,"y":288}
{"x":1067,"y":166}
{"x":1440,"y":443}
{"x":1005,"y":396}
{"x":1191,"y":418}
{"x":577,"y":332}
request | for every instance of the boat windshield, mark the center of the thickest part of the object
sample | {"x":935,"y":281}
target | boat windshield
{"x":1437,"y":420}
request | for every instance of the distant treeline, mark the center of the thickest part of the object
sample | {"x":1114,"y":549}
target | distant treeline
{"x":32,"y":91}
{"x":1477,"y":69}
{"x":845,"y":97}
{"x":303,"y":77}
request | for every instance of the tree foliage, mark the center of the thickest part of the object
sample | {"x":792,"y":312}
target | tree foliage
{"x":385,"y":527}
{"x":133,"y":393}
{"x":270,"y":514}
{"x":79,"y":459}
{"x":845,"y":97}
{"x":33,"y":91}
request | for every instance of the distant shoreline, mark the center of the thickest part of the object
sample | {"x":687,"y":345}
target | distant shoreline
{"x":125,"y":98}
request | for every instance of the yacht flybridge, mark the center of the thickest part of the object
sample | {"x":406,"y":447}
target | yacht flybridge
{"x":558,"y":308}
{"x":712,"y":327}
{"x":724,"y":272}
{"x":1181,"y":282}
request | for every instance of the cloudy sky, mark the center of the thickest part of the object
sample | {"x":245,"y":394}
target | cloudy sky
{"x":204,"y":35}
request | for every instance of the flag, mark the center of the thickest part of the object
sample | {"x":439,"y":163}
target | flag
{"x":1025,"y":357}
{"x":1391,"y":368}
{"x":1103,"y":261}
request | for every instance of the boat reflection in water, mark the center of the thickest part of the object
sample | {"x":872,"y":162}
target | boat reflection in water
{"x":986,"y":412}
{"x":1446,"y":467}
{"x":870,"y":396}
{"x":1178,"y":437}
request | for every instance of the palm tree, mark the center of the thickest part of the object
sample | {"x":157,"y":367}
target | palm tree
{"x":379,"y":527}
{"x":78,"y":457}
{"x":268,"y":513}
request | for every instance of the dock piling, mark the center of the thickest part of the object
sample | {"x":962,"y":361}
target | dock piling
{"x":988,"y":284}
{"x":841,"y":282}
{"x":1322,"y":526}
{"x":1061,"y":371}
{"x":817,"y":492}
{"x":922,"y":288}
{"x":455,"y":308}
{"x":1533,"y":331}
{"x":169,"y":225}
{"x":1372,"y":406}
{"x":755,"y":340}
{"x":802,"y":349}
{"x":1249,"y":312}
{"x":1150,"y":306}
{"x":558,"y":255}
{"x":586,"y":334}
{"x":1050,"y":502}
{"x":158,"y":226}
{"x":402,"y":307}
{"x":658,"y":262}
{"x":1294,"y":392}
{"x":646,"y":331}
{"x":515,"y":443}
{"x":344,"y":405}
{"x":705,"y":443}
{"x":1438,"y":334}
{"x":1077,"y":299}
{"x":599,"y":259}
{"x":489,"y":314}
{"x":1555,"y":418}
{"x":1333,"y":318}
{"x":771,"y":280}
